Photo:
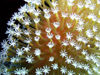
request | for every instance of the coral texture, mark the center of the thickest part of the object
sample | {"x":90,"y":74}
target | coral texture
{"x":53,"y":37}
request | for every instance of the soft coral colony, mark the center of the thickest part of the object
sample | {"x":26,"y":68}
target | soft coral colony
{"x":58,"y":37}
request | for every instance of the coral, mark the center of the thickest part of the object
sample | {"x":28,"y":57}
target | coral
{"x":53,"y":37}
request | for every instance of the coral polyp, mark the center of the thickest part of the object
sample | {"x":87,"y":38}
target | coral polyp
{"x":53,"y":37}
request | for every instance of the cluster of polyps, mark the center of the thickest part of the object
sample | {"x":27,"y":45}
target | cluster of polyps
{"x":58,"y":37}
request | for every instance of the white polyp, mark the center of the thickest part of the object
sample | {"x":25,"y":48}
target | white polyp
{"x":97,"y":44}
{"x":86,"y":5}
{"x":89,"y":33}
{"x":36,"y":2}
{"x":48,"y":30}
{"x":46,"y":69}
{"x":71,"y":73}
{"x":37,"y":38}
{"x":72,"y":42}
{"x":94,"y":58}
{"x":12,"y":42}
{"x":26,"y":49}
{"x":85,"y":40}
{"x":99,"y":12}
{"x":54,"y":3}
{"x":69,"y":35}
{"x":54,"y":66}
{"x":13,"y":59}
{"x":75,"y":64}
{"x":69,"y":60}
{"x":26,"y":32}
{"x":94,"y":18}
{"x":50,"y":35}
{"x":37,"y":52}
{"x":5,"y":45}
{"x":37,"y":20}
{"x":88,"y":1}
{"x":89,"y":45}
{"x":23,"y":9}
{"x":90,"y":72}
{"x":56,"y":24}
{"x":64,"y":15}
{"x":98,"y":20}
{"x":98,"y":1}
{"x":16,"y":27}
{"x":91,"y":15}
{"x":11,"y":22}
{"x":51,"y":59}
{"x":28,"y":1}
{"x":81,"y":22}
{"x":22,"y":71}
{"x":80,"y":5}
{"x":72,"y":16}
{"x":37,"y":12}
{"x":63,"y":53}
{"x":69,"y":25}
{"x":19,"y":52}
{"x":80,"y":38}
{"x":26,"y":21}
{"x":63,"y":70}
{"x":78,"y":46}
{"x":31,"y":8}
{"x":18,"y":33}
{"x":46,"y":11}
{"x":47,"y":15}
{"x":84,"y":52}
{"x":95,"y":29}
{"x":57,"y":37}
{"x":18,"y":59}
{"x":77,"y":17}
{"x":86,"y":67}
{"x":70,"y":3}
{"x":38,"y":32}
{"x":28,"y":40}
{"x":96,"y":69}
{"x":50,"y":44}
{"x":87,"y":57}
{"x":39,"y":71}
{"x":65,"y":43}
{"x":29,"y":59}
{"x":97,"y":37}
{"x":55,"y":10}
{"x":92,"y":6}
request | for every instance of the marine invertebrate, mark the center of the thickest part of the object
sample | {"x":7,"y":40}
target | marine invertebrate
{"x":58,"y":37}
